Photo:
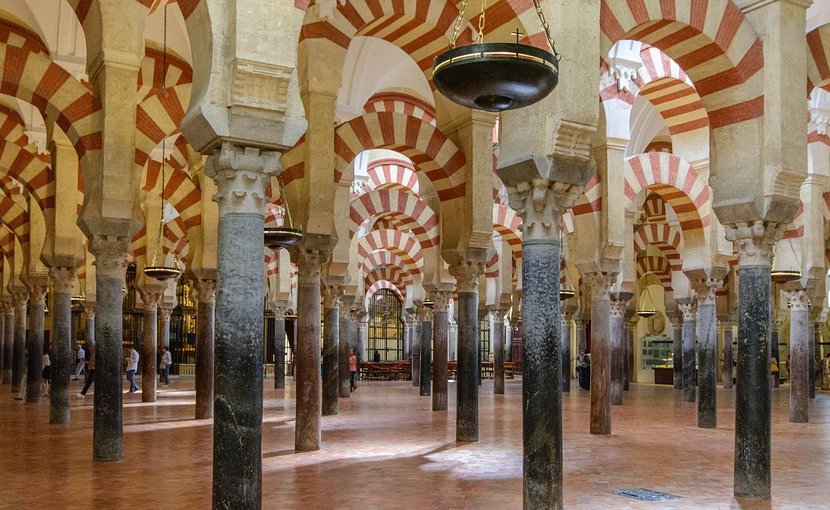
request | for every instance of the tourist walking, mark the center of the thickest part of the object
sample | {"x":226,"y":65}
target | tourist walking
{"x":132,"y":367}
{"x":352,"y":369}
{"x":80,"y":360}
{"x":166,"y":361}
{"x":46,"y":381}
{"x":90,"y":372}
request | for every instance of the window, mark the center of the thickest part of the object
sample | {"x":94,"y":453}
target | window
{"x":385,"y":326}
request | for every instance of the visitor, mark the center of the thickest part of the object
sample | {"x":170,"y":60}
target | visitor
{"x":166,"y":361}
{"x":773,"y":368}
{"x":353,"y":369}
{"x":90,"y":372}
{"x":583,"y":370}
{"x":376,"y":356}
{"x":80,"y":360}
{"x":132,"y":367}
{"x":47,"y":375}
{"x":825,"y":373}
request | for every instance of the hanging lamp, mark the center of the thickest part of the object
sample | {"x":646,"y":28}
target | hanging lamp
{"x":154,"y":270}
{"x":646,"y":312}
{"x":781,"y":275}
{"x":285,"y":235}
{"x":496,"y":76}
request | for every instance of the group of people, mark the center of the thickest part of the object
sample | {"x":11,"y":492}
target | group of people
{"x":87,"y":364}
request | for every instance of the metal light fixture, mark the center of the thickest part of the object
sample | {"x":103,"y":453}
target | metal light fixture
{"x":77,"y":300}
{"x":163,"y":272}
{"x":566,"y":290}
{"x":646,"y":312}
{"x":496,"y":76}
{"x":782,"y":275}
{"x":285,"y":235}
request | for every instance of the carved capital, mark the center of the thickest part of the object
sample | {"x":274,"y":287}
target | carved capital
{"x":601,"y":284}
{"x":706,"y":289}
{"x":37,"y":294}
{"x":689,"y":311}
{"x":280,"y":312}
{"x":20,"y":297}
{"x":424,"y":314}
{"x":676,"y":320}
{"x":62,"y":279}
{"x":798,"y":300}
{"x":206,"y":290}
{"x":332,"y":295}
{"x":150,"y":296}
{"x":618,"y":307}
{"x":89,"y":310}
{"x":110,"y":254}
{"x":540,"y":203}
{"x":466,"y":273}
{"x":309,"y":264}
{"x":166,"y":311}
{"x":241,"y":175}
{"x":754,"y":241}
{"x":581,"y":323}
{"x":497,"y":313}
{"x":442,"y":300}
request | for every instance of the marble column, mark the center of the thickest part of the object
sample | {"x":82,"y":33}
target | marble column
{"x":601,"y":351}
{"x":727,"y":354}
{"x":34,"y":341}
{"x":307,"y":358}
{"x":689,"y":335}
{"x":21,"y":298}
{"x":415,"y":347}
{"x":581,"y":334}
{"x":150,"y":296}
{"x":205,"y":341}
{"x":707,"y":344}
{"x":630,"y":326}
{"x":61,"y":357}
{"x":466,"y":273}
{"x":90,"y":309}
{"x":565,"y":335}
{"x":279,"y":346}
{"x":813,"y":356}
{"x":241,"y":176}
{"x":676,"y":320}
{"x":440,"y":346}
{"x":619,"y":303}
{"x":8,"y":341}
{"x":497,"y":336}
{"x":425,"y":318}
{"x":110,"y":276}
{"x":799,"y":304}
{"x":775,"y":326}
{"x":166,"y":311}
{"x":753,"y":399}
{"x":331,"y":346}
{"x":346,"y":340}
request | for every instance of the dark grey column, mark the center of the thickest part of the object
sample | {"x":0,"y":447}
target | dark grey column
{"x":331,"y":347}
{"x":425,"y":316}
{"x":34,"y":340}
{"x":241,"y":175}
{"x":110,"y":277}
{"x":8,"y":341}
{"x":752,"y":393}
{"x":799,"y":304}
{"x":466,"y":274}
{"x":677,"y":349}
{"x":61,"y":357}
{"x":630,"y":327}
{"x":440,"y":346}
{"x":4,"y":361}
{"x":617,"y":341}
{"x":205,"y":344}
{"x":164,"y":336}
{"x":90,"y":309}
{"x":21,"y":298}
{"x":307,"y":358}
{"x":600,"y":351}
{"x":415,"y":347}
{"x":497,"y":337}
{"x":279,"y":347}
{"x":689,"y":335}
{"x":581,"y":334}
{"x":150,"y":296}
{"x":346,"y":340}
{"x":565,"y":335}
{"x":707,"y":342}
{"x":813,"y":356}
{"x":727,"y":354}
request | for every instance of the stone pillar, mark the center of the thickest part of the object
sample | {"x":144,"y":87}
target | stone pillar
{"x":34,"y":341}
{"x":425,"y":318}
{"x":8,"y":341}
{"x":279,"y":347}
{"x":775,"y":326}
{"x":799,"y":304}
{"x":61,"y":357}
{"x":307,"y":358}
{"x":581,"y":335}
{"x":440,"y":346}
{"x":110,"y":276}
{"x":497,"y":337}
{"x":415,"y":347}
{"x":813,"y":357}
{"x":205,"y":340}
{"x":677,"y":349}
{"x":689,"y":336}
{"x":630,"y":326}
{"x":241,"y":176}
{"x":728,"y":325}
{"x":753,"y":399}
{"x":21,"y":298}
{"x":600,"y":351}
{"x":565,"y":335}
{"x":617,"y":337}
{"x":331,"y":346}
{"x":166,"y":311}
{"x":4,"y":361}
{"x":346,"y":341}
{"x":466,"y":273}
{"x":90,"y":309}
{"x":150,"y":297}
{"x":707,"y":344}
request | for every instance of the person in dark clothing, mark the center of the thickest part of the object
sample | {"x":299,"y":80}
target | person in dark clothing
{"x":583,"y":370}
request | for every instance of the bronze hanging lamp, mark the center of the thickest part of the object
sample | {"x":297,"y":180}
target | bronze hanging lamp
{"x":154,"y":270}
{"x":496,"y":76}
{"x":784,"y":275}
{"x":285,"y":235}
{"x":647,"y":311}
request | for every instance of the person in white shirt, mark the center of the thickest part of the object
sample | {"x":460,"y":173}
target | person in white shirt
{"x":80,"y":361}
{"x":166,"y":361}
{"x":132,"y":367}
{"x":46,"y":381}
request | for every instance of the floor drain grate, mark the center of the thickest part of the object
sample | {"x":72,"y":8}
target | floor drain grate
{"x":645,"y":494}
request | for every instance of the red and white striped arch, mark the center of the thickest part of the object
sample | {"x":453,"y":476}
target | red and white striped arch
{"x":401,"y":103}
{"x":405,"y":207}
{"x":666,"y":238}
{"x":392,"y":173}
{"x":12,"y":127}
{"x":383,"y":284}
{"x":16,"y":219}
{"x":179,"y":191}
{"x":678,"y":104}
{"x":818,"y":61}
{"x":10,"y":186}
{"x":795,"y":229}
{"x":491,"y":268}
{"x":384,"y":258}
{"x":151,"y":74}
{"x":590,"y":201}
{"x":391,"y":274}
{"x":28,"y":169}
{"x":710,"y":39}
{"x":158,"y":117}
{"x":508,"y":224}
{"x":677,"y":183}
{"x":658,"y":265}
{"x":400,"y":243}
{"x":14,"y":34}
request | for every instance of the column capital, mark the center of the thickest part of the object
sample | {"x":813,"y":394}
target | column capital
{"x":20,"y":296}
{"x":90,"y":309}
{"x":166,"y":310}
{"x":689,"y":311}
{"x":332,"y":294}
{"x":754,"y":241}
{"x":618,"y":306}
{"x":206,"y":290}
{"x":541,"y":203}
{"x":62,"y":279}
{"x":497,"y":312}
{"x":150,"y":296}
{"x":241,"y":175}
{"x":280,"y":312}
{"x":466,"y":273}
{"x":798,"y":300}
{"x":424,"y":314}
{"x":309,"y":264}
{"x":110,"y":254}
{"x":37,"y":293}
{"x":601,"y":284}
{"x":676,"y":320}
{"x":441,"y":299}
{"x":706,"y":289}
{"x":580,"y":322}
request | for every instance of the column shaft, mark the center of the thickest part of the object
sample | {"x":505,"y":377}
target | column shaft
{"x":815,"y":338}
{"x":677,"y":351}
{"x":331,"y":382}
{"x":600,"y":354}
{"x":307,"y":358}
{"x":440,"y":341}
{"x":466,"y":422}
{"x":346,"y":339}
{"x":498,"y":352}
{"x":799,"y":359}
{"x":149,"y":345}
{"x":616,"y":336}
{"x":205,"y":341}
{"x":8,"y":344}
{"x":415,"y":347}
{"x":707,"y":377}
{"x":61,"y":357}
{"x":565,"y":335}
{"x":727,"y":355}
{"x":279,"y":350}
{"x":426,"y":357}
{"x":19,"y":352}
{"x":34,"y":344}
{"x":689,"y":335}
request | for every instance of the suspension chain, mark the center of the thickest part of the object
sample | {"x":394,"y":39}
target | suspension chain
{"x":481,"y":21}
{"x":546,"y":28}
{"x":459,"y":21}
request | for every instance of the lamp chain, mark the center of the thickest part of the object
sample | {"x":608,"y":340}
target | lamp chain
{"x":546,"y":28}
{"x":481,"y":21}
{"x":458,"y":22}
{"x":285,"y":202}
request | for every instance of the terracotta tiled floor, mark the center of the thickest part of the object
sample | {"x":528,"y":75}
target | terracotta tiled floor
{"x":388,"y":450}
